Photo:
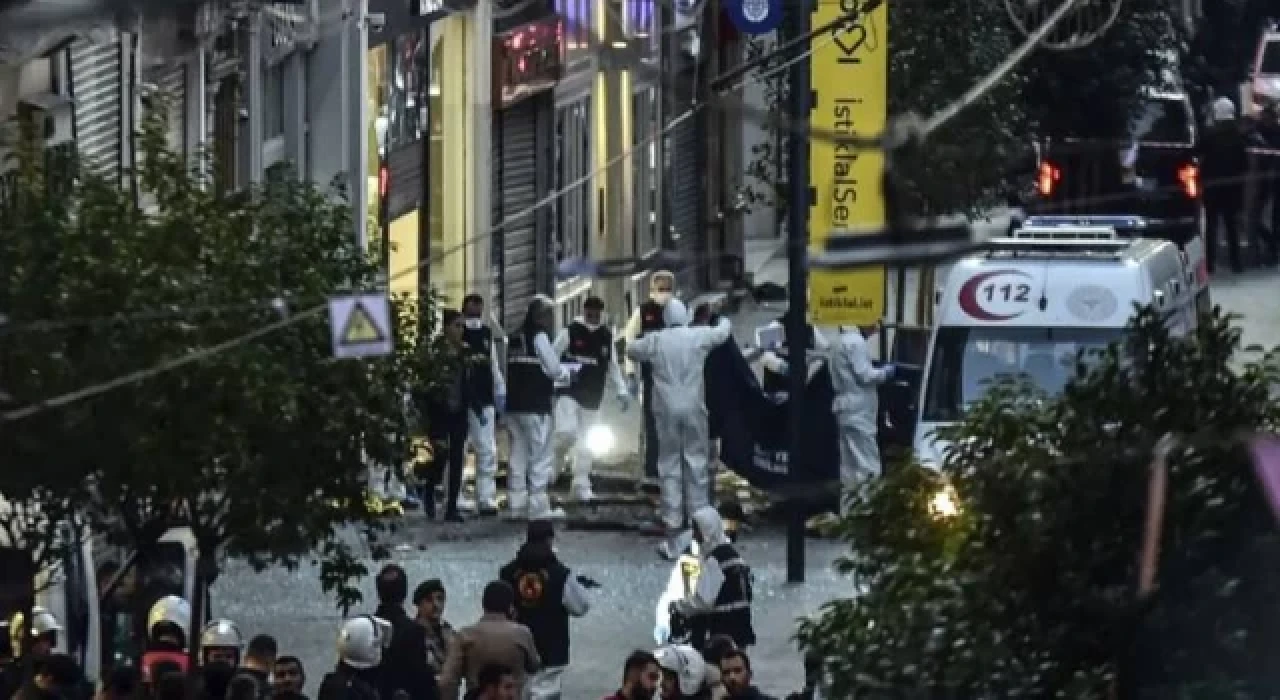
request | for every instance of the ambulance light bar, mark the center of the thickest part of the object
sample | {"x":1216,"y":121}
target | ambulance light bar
{"x":1066,"y":233}
{"x":1058,"y":245}
{"x":1120,"y":223}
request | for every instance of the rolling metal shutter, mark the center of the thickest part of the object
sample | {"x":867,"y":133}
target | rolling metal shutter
{"x":515,"y":190}
{"x":684,"y":183}
{"x":96,"y":84}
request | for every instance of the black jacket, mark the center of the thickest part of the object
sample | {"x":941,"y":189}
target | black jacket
{"x":404,"y":665}
{"x":346,"y":683}
{"x":1223,"y":158}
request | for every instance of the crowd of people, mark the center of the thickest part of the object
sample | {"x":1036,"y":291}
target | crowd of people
{"x":519,"y":647}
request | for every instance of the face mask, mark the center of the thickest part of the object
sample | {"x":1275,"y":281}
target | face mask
{"x":590,"y":326}
{"x":661,"y":297}
{"x":474,"y":324}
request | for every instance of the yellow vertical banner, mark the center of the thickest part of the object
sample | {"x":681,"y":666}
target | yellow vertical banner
{"x":850,"y":83}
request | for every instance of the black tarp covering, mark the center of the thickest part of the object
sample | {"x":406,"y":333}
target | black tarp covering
{"x":754,"y":428}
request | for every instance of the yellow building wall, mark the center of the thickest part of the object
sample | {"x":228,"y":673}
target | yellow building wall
{"x":404,"y":255}
{"x":450,"y":154}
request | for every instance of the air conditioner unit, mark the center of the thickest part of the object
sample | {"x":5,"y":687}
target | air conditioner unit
{"x":52,"y":115}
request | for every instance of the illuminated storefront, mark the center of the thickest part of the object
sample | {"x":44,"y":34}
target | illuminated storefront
{"x":397,"y":64}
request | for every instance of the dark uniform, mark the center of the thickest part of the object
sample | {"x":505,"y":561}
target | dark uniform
{"x":593,"y":349}
{"x":774,"y":382}
{"x":651,"y":319}
{"x":529,"y":389}
{"x":478,"y":367}
{"x":539,"y":580}
{"x":731,"y":613}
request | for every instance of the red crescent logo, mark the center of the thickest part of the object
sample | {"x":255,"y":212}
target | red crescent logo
{"x":969,"y":296}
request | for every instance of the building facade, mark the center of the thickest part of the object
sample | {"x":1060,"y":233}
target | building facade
{"x":528,"y":63}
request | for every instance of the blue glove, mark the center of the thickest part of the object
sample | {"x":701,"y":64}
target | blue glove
{"x":784,"y":367}
{"x":500,"y":404}
{"x":633,"y":385}
{"x":624,"y":402}
{"x":890,"y":369}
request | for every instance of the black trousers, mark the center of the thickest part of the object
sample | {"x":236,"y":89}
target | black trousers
{"x":1222,"y":206}
{"x":449,"y":438}
{"x":650,"y":425}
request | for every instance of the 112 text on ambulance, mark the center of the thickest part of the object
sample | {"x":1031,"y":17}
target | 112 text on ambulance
{"x":849,"y":79}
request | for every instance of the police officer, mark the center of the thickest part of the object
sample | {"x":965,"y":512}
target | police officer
{"x":720,"y":603}
{"x":41,"y":640}
{"x":360,"y":646}
{"x":168,"y":628}
{"x":533,"y":370}
{"x":220,"y":640}
{"x":546,"y":596}
{"x":646,"y":319}
{"x":776,"y":360}
{"x":486,"y":392}
{"x":588,"y":342}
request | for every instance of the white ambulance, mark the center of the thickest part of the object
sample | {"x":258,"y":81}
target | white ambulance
{"x":1029,"y":303}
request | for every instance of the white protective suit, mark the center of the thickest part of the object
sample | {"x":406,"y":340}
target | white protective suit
{"x":573,"y":420}
{"x":696,"y":578}
{"x":677,"y":354}
{"x":532,"y":460}
{"x":856,"y":406}
{"x":770,"y":360}
{"x":480,"y":432}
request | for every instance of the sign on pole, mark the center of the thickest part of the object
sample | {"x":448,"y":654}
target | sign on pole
{"x":360,"y":325}
{"x":755,"y":16}
{"x":849,"y":81}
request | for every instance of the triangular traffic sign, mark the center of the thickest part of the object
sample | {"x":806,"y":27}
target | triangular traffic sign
{"x":360,"y":328}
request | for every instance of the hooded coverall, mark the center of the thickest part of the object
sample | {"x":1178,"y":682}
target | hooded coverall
{"x":678,"y":354}
{"x":856,"y":406}
{"x":573,"y":419}
{"x":532,"y":459}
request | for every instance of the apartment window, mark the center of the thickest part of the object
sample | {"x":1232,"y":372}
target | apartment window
{"x":577,"y":30}
{"x":273,"y":102}
{"x":645,"y":233}
{"x":573,"y":161}
{"x":406,"y":90}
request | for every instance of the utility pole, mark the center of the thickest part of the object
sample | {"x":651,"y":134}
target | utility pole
{"x":798,"y":275}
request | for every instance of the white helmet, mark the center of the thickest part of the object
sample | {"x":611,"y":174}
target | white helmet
{"x":221,"y":634}
{"x":688,"y":665}
{"x":172,"y":609}
{"x":361,"y":641}
{"x":42,"y":622}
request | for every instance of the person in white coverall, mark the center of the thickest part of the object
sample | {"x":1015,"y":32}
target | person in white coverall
{"x":857,"y":404}
{"x":589,"y":343}
{"x":533,"y":369}
{"x":678,"y":354}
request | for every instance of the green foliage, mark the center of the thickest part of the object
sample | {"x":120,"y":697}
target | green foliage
{"x":261,"y":447}
{"x":1030,"y":591}
{"x":765,"y":174}
{"x":1091,"y":92}
{"x":937,"y":51}
{"x":1221,"y":52}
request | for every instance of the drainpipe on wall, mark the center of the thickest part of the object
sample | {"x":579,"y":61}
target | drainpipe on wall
{"x":253,"y":96}
{"x":355,"y":75}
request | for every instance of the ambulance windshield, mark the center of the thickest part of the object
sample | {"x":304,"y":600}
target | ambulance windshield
{"x":967,"y":359}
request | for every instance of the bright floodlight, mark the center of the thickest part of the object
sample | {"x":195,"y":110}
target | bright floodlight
{"x":944,"y":504}
{"x":600,"y":440}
